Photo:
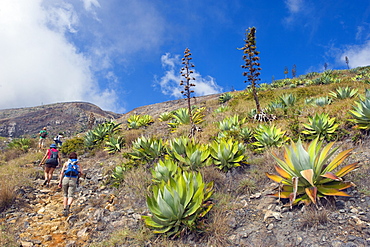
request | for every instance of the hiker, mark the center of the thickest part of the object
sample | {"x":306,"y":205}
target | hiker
{"x":51,"y":160}
{"x":69,"y":175}
{"x":43,"y":134}
{"x":58,"y":139}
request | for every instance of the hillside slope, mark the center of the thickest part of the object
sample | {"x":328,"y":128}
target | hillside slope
{"x":69,"y":118}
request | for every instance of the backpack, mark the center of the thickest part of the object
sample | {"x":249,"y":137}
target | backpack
{"x":43,"y":134}
{"x":53,"y":159}
{"x":53,"y":154}
{"x":72,"y":170}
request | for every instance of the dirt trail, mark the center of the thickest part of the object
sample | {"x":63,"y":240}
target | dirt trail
{"x":46,"y":225}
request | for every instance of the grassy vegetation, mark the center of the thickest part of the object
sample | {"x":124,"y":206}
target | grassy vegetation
{"x":239,"y":171}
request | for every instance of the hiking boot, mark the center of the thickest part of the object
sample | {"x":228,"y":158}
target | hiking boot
{"x":65,"y":212}
{"x":45,"y":182}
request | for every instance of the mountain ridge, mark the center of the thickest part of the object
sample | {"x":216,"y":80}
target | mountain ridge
{"x":72,"y":117}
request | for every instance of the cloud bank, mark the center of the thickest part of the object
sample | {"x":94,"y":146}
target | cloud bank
{"x":169,"y":83}
{"x":39,"y":65}
{"x":358,"y":55}
{"x":69,"y":50}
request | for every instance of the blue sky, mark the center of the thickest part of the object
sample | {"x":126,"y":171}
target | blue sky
{"x":122,"y":54}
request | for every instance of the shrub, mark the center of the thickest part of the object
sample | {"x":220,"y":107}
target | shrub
{"x":75,"y":144}
{"x":222,"y":108}
{"x":100,"y":133}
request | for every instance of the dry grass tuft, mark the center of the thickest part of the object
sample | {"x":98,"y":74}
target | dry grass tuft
{"x":127,"y":237}
{"x":132,"y":135}
{"x":312,"y":217}
{"x":7,"y":193}
{"x":211,"y":173}
{"x":135,"y":185}
{"x":7,"y":238}
{"x":218,"y":229}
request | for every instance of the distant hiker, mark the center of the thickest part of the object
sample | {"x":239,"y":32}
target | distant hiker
{"x":43,"y":134}
{"x":69,"y":175}
{"x":51,"y":161}
{"x":58,"y":139}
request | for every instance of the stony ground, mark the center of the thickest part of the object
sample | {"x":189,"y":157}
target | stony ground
{"x":253,"y":219}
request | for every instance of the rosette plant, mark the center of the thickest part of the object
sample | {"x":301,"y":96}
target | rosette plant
{"x":268,"y":136}
{"x":361,"y":114}
{"x":164,"y":170}
{"x":344,"y":93}
{"x":321,"y":126}
{"x":189,"y":153}
{"x":137,"y":121}
{"x":227,"y":154}
{"x":179,"y":204}
{"x":147,"y":149}
{"x":114,"y":144}
{"x":307,"y":173}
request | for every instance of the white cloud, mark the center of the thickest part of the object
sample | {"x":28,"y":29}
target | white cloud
{"x":296,"y":9}
{"x":89,"y":4}
{"x":358,"y":55}
{"x":294,"y":6}
{"x":169,"y":83}
{"x":38,"y":63}
{"x":61,"y":17}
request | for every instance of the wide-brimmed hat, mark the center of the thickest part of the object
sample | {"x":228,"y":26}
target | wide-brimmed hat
{"x":53,"y":146}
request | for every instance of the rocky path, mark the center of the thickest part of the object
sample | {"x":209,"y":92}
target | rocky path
{"x":45,"y":224}
{"x":37,"y":215}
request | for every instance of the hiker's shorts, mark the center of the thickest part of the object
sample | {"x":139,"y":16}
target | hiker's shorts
{"x":69,"y":186}
{"x":42,"y":141}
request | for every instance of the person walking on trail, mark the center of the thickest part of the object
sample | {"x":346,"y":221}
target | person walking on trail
{"x":58,"y":139}
{"x":69,"y":175}
{"x":43,"y":134}
{"x":51,"y":160}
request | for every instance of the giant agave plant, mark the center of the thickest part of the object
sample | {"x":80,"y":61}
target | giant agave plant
{"x":20,"y":144}
{"x":114,"y":144}
{"x":344,"y":93}
{"x":164,"y":170}
{"x":268,"y":136}
{"x":321,"y":126}
{"x":231,"y":123}
{"x":227,"y":154}
{"x":100,"y":133}
{"x":320,"y":101}
{"x":288,"y":100}
{"x":137,"y":121}
{"x":223,"y":98}
{"x":147,"y":149}
{"x":361,"y":114}
{"x":165,"y":116}
{"x":181,"y":116}
{"x":178,"y":204}
{"x":189,"y":153}
{"x":307,"y":173}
